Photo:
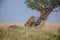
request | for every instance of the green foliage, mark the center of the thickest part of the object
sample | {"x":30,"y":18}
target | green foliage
{"x":36,"y":4}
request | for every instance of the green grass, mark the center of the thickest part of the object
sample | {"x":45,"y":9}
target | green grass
{"x":28,"y":33}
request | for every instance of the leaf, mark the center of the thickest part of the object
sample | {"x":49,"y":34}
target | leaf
{"x":36,"y":4}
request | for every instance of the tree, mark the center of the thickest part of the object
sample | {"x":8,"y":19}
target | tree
{"x":43,"y":6}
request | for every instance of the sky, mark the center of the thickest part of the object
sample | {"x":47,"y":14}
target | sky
{"x":16,"y":11}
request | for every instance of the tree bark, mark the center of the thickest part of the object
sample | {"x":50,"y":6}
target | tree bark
{"x":44,"y":16}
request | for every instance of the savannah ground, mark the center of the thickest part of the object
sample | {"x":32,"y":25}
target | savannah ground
{"x":51,"y":31}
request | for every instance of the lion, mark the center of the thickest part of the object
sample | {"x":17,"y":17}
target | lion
{"x":42,"y":10}
{"x":32,"y":18}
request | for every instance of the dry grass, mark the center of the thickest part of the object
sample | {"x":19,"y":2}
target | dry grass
{"x":48,"y":32}
{"x":51,"y":26}
{"x":48,"y":26}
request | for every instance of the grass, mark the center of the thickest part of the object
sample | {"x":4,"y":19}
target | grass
{"x":28,"y":33}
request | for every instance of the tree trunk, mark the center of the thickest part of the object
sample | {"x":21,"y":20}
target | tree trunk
{"x":44,"y":16}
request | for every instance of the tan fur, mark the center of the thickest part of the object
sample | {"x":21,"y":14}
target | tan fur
{"x":42,"y":10}
{"x":30,"y":21}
